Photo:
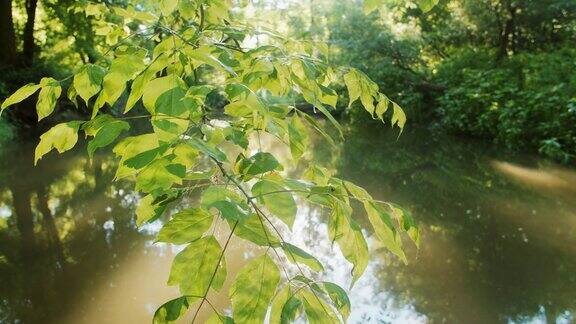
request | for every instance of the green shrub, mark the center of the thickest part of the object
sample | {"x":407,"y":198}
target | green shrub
{"x":526,"y":102}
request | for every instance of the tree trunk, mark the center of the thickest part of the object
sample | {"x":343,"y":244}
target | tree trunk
{"x":50,"y":225}
{"x":24,"y":219}
{"x":7,"y":35}
{"x":507,"y":35}
{"x":29,"y":47}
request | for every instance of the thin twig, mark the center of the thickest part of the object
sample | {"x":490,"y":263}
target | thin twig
{"x":215,"y":271}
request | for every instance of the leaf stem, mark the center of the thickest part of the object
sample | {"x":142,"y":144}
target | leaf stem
{"x":215,"y":271}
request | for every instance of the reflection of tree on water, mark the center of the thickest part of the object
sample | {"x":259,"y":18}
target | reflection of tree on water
{"x":56,"y":227}
{"x":490,"y":249}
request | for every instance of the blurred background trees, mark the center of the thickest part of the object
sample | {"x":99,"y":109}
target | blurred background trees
{"x":500,"y":70}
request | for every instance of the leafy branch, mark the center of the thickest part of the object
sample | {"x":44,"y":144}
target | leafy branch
{"x":184,"y":152}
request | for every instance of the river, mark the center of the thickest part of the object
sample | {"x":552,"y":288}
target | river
{"x":498,"y":236}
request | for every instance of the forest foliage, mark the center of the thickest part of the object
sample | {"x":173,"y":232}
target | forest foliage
{"x":499,"y":70}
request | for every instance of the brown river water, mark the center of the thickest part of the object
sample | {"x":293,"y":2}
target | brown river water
{"x":498,"y":237}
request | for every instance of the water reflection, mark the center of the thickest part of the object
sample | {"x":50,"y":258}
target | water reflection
{"x":498,"y":237}
{"x":494,"y":251}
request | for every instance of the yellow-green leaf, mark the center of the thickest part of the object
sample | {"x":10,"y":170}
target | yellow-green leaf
{"x":172,"y":310}
{"x":20,"y":94}
{"x":427,"y":5}
{"x":253,"y":290}
{"x":49,"y":94}
{"x":167,"y":7}
{"x":398,"y":116}
{"x":276,"y":199}
{"x":254,"y":229}
{"x":89,"y":81}
{"x":107,"y":134}
{"x":148,"y":210}
{"x":339,"y":298}
{"x":297,"y":255}
{"x":192,"y":268}
{"x":186,"y":226}
{"x":123,"y":69}
{"x":298,"y":137}
{"x":347,"y":233}
{"x":317,"y":310}
{"x":372,"y":5}
{"x":61,"y":137}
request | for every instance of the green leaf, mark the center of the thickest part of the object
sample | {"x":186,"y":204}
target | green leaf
{"x":213,"y":194}
{"x":208,"y":149}
{"x":123,"y":69}
{"x":316,"y":310}
{"x":253,"y":290}
{"x":157,"y":87}
{"x":384,"y":229}
{"x":231,"y":210}
{"x":339,"y":298}
{"x":226,"y":202}
{"x":279,"y":203}
{"x":185,"y":155}
{"x":160,"y":174}
{"x":398,"y":117}
{"x":346,"y":232}
{"x":174,"y":102}
{"x":192,"y":268}
{"x":298,"y":137}
{"x":253,"y":229}
{"x":136,"y":152}
{"x":204,"y":56}
{"x":49,"y":94}
{"x":137,"y":87}
{"x":186,"y":226}
{"x":285,"y":307}
{"x":61,"y":137}
{"x":88,"y":82}
{"x":372,"y":5}
{"x":380,"y":219}
{"x":239,"y":109}
{"x":187,"y":8}
{"x":319,"y":129}
{"x":219,"y":319}
{"x":258,"y":163}
{"x":167,"y":7}
{"x":236,"y":136}
{"x":382,"y":106}
{"x":353,"y":85}
{"x":332,"y":120}
{"x":106,"y":135}
{"x":297,"y":255}
{"x":169,"y":129}
{"x":427,"y":5}
{"x":329,"y":96}
{"x":407,"y":223}
{"x":72,"y":95}
{"x":20,"y":94}
{"x":92,"y":126}
{"x":172,"y":310}
{"x":148,"y":210}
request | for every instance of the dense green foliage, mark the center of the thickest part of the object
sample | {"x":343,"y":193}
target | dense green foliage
{"x":528,"y":102}
{"x":501,"y":70}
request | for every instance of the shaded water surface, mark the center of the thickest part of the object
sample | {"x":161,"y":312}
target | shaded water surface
{"x":498,"y":237}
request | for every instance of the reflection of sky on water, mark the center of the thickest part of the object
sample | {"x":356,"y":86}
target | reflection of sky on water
{"x":370,"y":304}
{"x":5,"y":211}
{"x":540,"y":318}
